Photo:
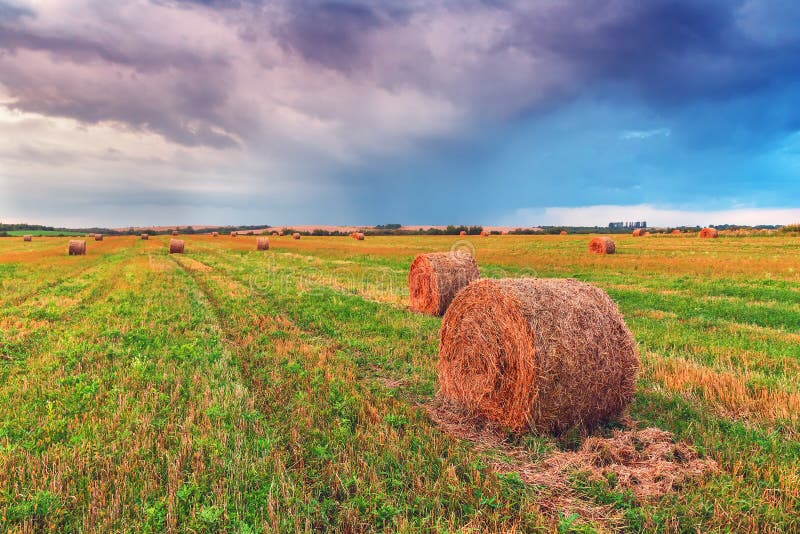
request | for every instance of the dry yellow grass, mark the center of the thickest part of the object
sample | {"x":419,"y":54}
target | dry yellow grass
{"x":732,"y":394}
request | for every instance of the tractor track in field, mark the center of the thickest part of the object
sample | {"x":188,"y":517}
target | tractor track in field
{"x":226,"y":332}
{"x":244,"y":358}
{"x":371,"y":372}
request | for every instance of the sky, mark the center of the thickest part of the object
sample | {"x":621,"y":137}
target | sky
{"x":493,"y":112}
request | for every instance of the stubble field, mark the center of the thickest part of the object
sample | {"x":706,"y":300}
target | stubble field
{"x":233,"y":390}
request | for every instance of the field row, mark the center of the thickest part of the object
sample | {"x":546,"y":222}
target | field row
{"x":288,"y":390}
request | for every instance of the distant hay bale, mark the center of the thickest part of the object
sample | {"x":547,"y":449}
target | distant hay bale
{"x":709,"y":233}
{"x":537,"y":354}
{"x":145,"y":237}
{"x":77,"y":247}
{"x":602,"y":245}
{"x":462,"y":233}
{"x":358,"y":236}
{"x":676,"y":232}
{"x":214,"y":234}
{"x":274,"y":233}
{"x":98,"y":237}
{"x":233,"y":234}
{"x":484,"y":233}
{"x":295,"y":235}
{"x":435,"y":279}
{"x":638,"y":232}
{"x":174,"y":232}
{"x":562,"y":232}
{"x":262,"y":243}
{"x":27,"y":238}
{"x":176,"y":246}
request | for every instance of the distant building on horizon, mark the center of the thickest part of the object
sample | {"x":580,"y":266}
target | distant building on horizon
{"x":631,"y":225}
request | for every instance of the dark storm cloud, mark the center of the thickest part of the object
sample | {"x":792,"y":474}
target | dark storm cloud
{"x":669,"y":51}
{"x":172,"y":91}
{"x":332,"y":33}
{"x":81,"y":48}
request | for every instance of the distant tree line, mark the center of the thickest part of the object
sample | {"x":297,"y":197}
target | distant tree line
{"x":381,"y":229}
{"x":5,"y":228}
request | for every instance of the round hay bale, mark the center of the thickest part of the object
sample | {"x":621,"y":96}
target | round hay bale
{"x":562,"y":232}
{"x":359,"y":236}
{"x":537,"y":354}
{"x":214,"y":234}
{"x":77,"y":247}
{"x":262,"y":243}
{"x":27,"y":238}
{"x":435,"y":279}
{"x":98,"y":237}
{"x":462,"y":233}
{"x":484,"y":233}
{"x":709,"y":233}
{"x":602,"y":245}
{"x":174,"y":232}
{"x":295,"y":235}
{"x":676,"y":232}
{"x":176,"y":246}
{"x":233,"y":234}
{"x":638,"y":232}
{"x":145,"y":237}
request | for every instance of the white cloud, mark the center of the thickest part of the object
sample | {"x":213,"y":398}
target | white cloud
{"x":644,"y":134}
{"x":655,"y":216}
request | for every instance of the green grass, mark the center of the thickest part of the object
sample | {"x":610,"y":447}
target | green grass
{"x":236,"y":391}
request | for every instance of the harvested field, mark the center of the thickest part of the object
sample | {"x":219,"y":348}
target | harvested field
{"x":233,"y":390}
